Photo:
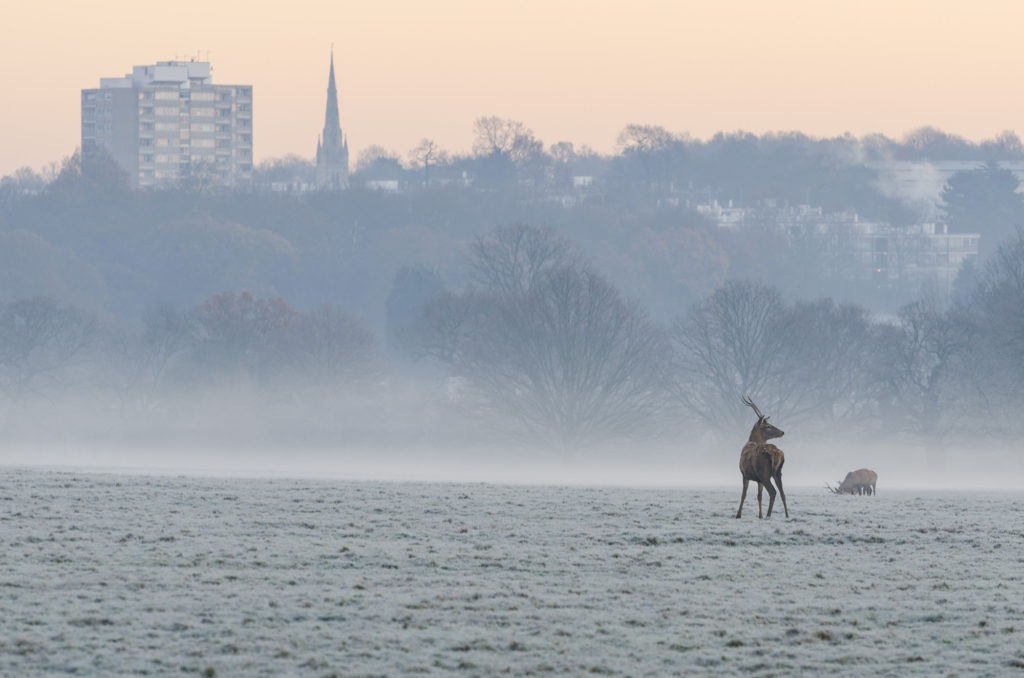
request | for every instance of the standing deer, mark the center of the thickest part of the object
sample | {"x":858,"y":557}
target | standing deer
{"x":762,"y":461}
{"x":861,"y":481}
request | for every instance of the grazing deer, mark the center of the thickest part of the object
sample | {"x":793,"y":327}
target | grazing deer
{"x":861,"y":481}
{"x":762,"y":461}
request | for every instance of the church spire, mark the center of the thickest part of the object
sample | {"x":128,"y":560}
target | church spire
{"x":332,"y":120}
{"x":332,"y":148}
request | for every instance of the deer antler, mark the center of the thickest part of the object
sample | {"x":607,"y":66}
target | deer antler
{"x":750,"y":403}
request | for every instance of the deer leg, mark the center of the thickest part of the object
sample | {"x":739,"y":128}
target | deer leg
{"x":760,"y":493}
{"x":782,"y":493}
{"x":746,"y":481}
{"x":771,"y":498}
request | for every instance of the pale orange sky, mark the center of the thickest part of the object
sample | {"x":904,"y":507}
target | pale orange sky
{"x":570,"y":70}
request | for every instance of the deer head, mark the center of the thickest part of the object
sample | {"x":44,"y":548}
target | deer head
{"x":762,"y":431}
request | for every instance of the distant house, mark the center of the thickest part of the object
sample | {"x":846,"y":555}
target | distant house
{"x":381,"y":185}
{"x":724,"y":216}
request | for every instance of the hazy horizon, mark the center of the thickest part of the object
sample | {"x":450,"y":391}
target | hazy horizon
{"x":570,"y":71}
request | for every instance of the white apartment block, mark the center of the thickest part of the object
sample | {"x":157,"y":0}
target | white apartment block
{"x":168,"y":123}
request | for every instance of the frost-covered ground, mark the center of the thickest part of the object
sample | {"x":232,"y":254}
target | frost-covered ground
{"x":107,"y":574}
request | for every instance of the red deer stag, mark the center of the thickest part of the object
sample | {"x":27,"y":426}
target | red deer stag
{"x":861,"y":481}
{"x":761,"y":461}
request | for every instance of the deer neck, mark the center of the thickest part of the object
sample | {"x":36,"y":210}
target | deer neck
{"x":756,"y":436}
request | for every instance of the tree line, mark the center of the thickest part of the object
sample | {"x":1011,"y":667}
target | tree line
{"x":81,"y":236}
{"x":536,"y":346}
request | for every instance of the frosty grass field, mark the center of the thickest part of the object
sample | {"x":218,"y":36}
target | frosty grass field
{"x":105,"y":574}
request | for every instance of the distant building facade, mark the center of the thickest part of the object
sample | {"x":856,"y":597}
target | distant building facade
{"x":332,"y":146}
{"x":168,"y":123}
{"x":917,"y":256}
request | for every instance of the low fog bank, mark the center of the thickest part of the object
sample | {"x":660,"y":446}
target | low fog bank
{"x":810,"y":463}
{"x":537,"y":370}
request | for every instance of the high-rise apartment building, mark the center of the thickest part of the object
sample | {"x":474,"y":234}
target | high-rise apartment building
{"x":169,"y":123}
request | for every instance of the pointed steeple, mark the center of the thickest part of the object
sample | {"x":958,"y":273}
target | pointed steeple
{"x":332,"y":121}
{"x":332,"y":147}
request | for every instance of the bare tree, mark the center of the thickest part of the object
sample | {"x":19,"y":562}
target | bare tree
{"x":493,"y":135}
{"x":920,"y":366}
{"x":510,"y":144}
{"x":40,"y":342}
{"x":730,"y":343}
{"x":822,"y":381}
{"x":516,"y":256}
{"x":141,"y":364}
{"x":997,"y":302}
{"x":652,"y":149}
{"x":442,"y":324}
{"x":562,"y":152}
{"x":427,"y":154}
{"x":331,"y":347}
{"x":568,"y":360}
{"x":808,"y":360}
{"x":563,"y":156}
{"x":636,"y":138}
{"x":167,"y":334}
{"x":238,"y":334}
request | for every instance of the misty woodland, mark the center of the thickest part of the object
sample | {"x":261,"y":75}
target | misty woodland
{"x":855,"y":287}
